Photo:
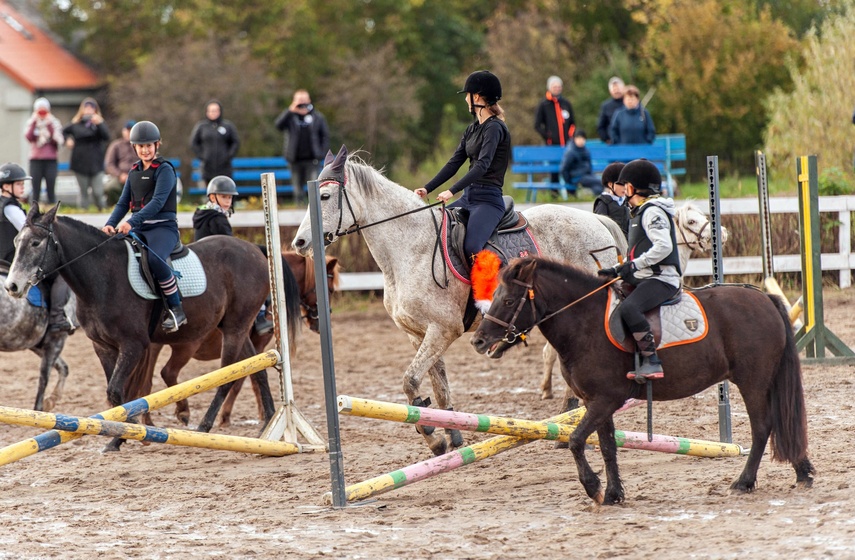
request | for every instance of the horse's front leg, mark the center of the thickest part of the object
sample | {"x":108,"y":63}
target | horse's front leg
{"x":429,"y":350}
{"x":608,"y":448}
{"x":129,"y":357}
{"x":592,"y":420}
{"x":181,"y":354}
{"x":549,"y":358}
{"x":439,"y":381}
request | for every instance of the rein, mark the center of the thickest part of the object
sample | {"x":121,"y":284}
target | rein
{"x":40,"y":273}
{"x":511,"y":333}
{"x":356,"y":228}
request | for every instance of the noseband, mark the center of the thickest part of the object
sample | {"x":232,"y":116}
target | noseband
{"x":698,"y":243}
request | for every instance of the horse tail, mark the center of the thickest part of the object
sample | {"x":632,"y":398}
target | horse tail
{"x":292,"y":305}
{"x":786,"y":399}
{"x":617,"y":233}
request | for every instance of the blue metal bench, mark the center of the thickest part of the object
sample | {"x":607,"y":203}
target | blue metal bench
{"x":247,"y":175}
{"x":532,"y":161}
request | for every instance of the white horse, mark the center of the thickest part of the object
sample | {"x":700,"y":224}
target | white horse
{"x":355,"y":195}
{"x":693,"y":234}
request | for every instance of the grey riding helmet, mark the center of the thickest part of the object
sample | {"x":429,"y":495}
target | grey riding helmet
{"x":145,"y":132}
{"x":222,"y":185}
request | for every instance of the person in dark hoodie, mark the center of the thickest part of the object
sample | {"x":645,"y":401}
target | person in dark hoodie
{"x":612,"y":201}
{"x":215,"y":142}
{"x":212,"y":218}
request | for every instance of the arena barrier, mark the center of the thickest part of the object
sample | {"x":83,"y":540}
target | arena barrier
{"x":517,"y":432}
{"x":140,"y":432}
{"x":181,"y":391}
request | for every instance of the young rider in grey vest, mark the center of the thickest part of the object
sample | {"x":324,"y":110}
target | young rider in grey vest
{"x":653,"y":264}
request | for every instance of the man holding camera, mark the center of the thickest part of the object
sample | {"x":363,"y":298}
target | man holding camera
{"x":307,"y":140}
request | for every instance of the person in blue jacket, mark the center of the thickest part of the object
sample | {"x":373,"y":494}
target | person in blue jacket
{"x":632,"y":124}
{"x":150,"y":193}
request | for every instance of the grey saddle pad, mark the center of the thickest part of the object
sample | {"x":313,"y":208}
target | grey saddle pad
{"x":193,"y":281}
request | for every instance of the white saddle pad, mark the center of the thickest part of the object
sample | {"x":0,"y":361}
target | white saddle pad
{"x":193,"y":281}
{"x":682,"y":323}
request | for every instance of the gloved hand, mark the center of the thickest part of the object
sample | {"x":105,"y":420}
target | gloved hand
{"x":624,"y":270}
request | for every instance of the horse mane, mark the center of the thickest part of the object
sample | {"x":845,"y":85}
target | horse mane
{"x":570,"y":271}
{"x":365,"y":178}
{"x":81,"y":226}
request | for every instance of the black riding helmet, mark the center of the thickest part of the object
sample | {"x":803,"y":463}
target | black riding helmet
{"x":222,"y":185}
{"x":145,"y":132}
{"x":485,"y":84}
{"x":644,"y":176}
{"x":612,"y":172}
{"x":12,"y":173}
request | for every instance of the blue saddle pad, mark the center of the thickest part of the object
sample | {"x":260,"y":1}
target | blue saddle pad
{"x":35,"y":297}
{"x":192,"y":282}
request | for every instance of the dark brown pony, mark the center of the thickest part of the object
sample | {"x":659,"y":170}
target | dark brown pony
{"x":299,"y":272}
{"x":749,"y":342}
{"x":117,"y":320}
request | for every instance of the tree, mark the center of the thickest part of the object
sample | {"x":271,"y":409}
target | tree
{"x":713,"y":62}
{"x":816,"y":116}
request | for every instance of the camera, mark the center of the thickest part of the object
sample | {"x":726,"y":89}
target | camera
{"x":303,"y":106}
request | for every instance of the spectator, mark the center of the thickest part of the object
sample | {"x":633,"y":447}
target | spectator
{"x":576,"y":169}
{"x":612,"y":201}
{"x":118,"y":162}
{"x":44,"y":133}
{"x":554,"y":117}
{"x":85,"y":135}
{"x":609,"y":107}
{"x":215,"y":142}
{"x":307,"y":140}
{"x":632,"y":124}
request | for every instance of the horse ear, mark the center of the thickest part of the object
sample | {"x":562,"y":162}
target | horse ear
{"x":33,"y":213}
{"x":340,"y":158}
{"x":527,"y":268}
{"x":328,"y":159}
{"x":50,"y":215}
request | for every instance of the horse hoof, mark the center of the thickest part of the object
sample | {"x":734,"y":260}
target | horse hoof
{"x":599,"y":497}
{"x":110,"y":448}
{"x":562,"y":445}
{"x":49,"y":403}
{"x":184,"y":418}
{"x":546,"y":395}
{"x":804,"y":484}
{"x":439,"y":447}
{"x":225,"y":423}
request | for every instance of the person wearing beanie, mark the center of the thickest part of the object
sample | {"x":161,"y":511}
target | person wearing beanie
{"x":576,"y":168}
{"x":118,"y":162}
{"x":612,"y":201}
{"x":44,"y":133}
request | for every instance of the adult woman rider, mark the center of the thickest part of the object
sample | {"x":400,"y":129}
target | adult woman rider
{"x":486,"y":143}
{"x":150,"y":194}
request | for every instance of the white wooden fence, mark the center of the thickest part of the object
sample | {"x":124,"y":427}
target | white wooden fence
{"x":841,"y":261}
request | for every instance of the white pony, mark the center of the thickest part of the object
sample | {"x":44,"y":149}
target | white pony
{"x":693,"y":234}
{"x":401,"y":234}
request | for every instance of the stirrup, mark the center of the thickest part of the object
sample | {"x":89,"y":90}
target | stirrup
{"x":172,"y":321}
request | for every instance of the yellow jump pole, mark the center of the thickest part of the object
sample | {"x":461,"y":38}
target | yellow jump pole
{"x":95,"y":427}
{"x":526,"y":429}
{"x":47,"y":440}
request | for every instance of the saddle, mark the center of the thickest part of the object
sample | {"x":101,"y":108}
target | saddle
{"x":680,"y":320}
{"x":191,"y":277}
{"x":512,"y":239}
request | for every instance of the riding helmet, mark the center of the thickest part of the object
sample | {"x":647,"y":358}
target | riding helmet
{"x":612,"y":172}
{"x":145,"y":132}
{"x":12,"y":172}
{"x":485,"y":84}
{"x":644,"y":176}
{"x":222,"y":185}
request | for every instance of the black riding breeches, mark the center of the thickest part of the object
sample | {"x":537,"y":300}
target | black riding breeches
{"x":486,"y":209}
{"x":647,"y":295}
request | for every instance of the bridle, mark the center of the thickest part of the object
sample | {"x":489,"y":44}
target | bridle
{"x":40,"y":273}
{"x":329,"y":237}
{"x":698,"y":243}
{"x":511,"y":333}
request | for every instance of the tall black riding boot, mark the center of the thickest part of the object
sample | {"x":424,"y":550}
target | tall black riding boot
{"x":651,"y":366}
{"x":175,"y":317}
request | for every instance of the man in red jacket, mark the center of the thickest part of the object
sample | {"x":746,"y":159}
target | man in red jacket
{"x":554,"y":118}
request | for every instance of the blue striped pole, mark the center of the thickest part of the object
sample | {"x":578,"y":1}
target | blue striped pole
{"x":47,"y":440}
{"x":140,"y":432}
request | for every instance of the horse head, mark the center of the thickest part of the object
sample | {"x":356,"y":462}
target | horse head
{"x":337,"y":209}
{"x":693,"y":227}
{"x":304,"y":271}
{"x":36,"y":251}
{"x":512,"y":314}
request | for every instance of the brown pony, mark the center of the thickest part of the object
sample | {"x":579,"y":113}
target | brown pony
{"x":302,"y":275}
{"x":749,"y":342}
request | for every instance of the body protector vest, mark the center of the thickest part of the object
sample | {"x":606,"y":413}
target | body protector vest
{"x":7,"y":230}
{"x":143,"y":182}
{"x":639,"y":242}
